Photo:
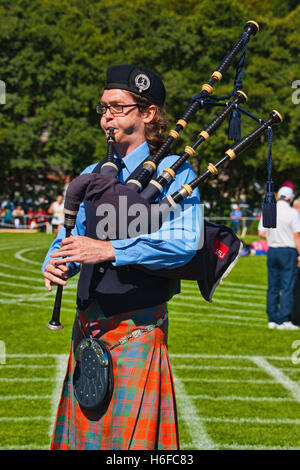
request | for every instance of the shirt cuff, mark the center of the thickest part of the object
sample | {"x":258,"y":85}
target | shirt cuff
{"x":125,"y":253}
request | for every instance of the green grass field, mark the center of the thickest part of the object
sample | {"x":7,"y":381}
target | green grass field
{"x":237,"y":385}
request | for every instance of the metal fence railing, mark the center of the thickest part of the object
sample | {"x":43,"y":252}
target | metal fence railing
{"x":245,"y":223}
{"x":43,"y":223}
{"x":40,"y":223}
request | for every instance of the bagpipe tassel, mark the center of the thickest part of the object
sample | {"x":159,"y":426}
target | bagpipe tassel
{"x":234,"y":129}
{"x":269,"y":203}
{"x":269,"y":207}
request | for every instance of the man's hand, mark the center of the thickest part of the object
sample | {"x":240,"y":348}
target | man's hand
{"x":83,"y":250}
{"x":55,"y":274}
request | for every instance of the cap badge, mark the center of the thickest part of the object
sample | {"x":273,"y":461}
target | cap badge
{"x":142,"y":82}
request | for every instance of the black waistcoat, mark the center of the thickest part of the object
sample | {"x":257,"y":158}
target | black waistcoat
{"x":119,"y":289}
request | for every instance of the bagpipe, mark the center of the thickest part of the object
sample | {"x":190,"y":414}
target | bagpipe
{"x":220,"y":247}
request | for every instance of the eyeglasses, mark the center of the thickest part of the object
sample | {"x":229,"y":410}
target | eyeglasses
{"x":114,"y":108}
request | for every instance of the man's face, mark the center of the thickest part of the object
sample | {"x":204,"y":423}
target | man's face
{"x":128,"y":125}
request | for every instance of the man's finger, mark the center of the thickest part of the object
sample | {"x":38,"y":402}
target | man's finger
{"x":57,"y":270}
{"x":67,"y":241}
{"x":64,"y":251}
{"x":61,"y":262}
{"x":51,"y":279}
{"x":48,"y":284}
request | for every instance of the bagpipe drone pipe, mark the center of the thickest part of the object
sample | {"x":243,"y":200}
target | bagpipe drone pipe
{"x":221,"y":247}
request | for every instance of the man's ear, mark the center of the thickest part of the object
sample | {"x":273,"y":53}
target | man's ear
{"x":149,"y":113}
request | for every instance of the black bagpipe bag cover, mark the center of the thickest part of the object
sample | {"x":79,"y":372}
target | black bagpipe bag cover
{"x":211,"y":263}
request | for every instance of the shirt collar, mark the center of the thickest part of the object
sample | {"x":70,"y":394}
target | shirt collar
{"x":134,"y":158}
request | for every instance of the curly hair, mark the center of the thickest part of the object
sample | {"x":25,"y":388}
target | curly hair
{"x":154,"y":130}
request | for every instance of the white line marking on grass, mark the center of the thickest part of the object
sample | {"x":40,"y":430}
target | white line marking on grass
{"x":228,"y":381}
{"x":23,"y":278}
{"x":212,"y":308}
{"x":223,"y":289}
{"x":25,"y":397}
{"x":24,"y":418}
{"x":234,"y":284}
{"x":23,"y":298}
{"x":215,"y":315}
{"x":19,"y":256}
{"x":250,"y":286}
{"x":226,"y":322}
{"x":255,"y":420}
{"x":193,"y":367}
{"x":16,"y":301}
{"x":29,"y":297}
{"x":233,"y":302}
{"x":33,"y":379}
{"x":223,"y":293}
{"x":194,"y":423}
{"x":25,"y":302}
{"x":12,"y":246}
{"x":17,"y":268}
{"x":40,"y":356}
{"x":72,"y":283}
{"x":25,"y":447}
{"x":20,"y":297}
{"x":256,"y":447}
{"x":61,"y":367}
{"x":236,"y":446}
{"x":25,"y":286}
{"x":240,"y":398}
{"x":228,"y":356}
{"x":279,"y":376}
{"x":27,"y":366}
{"x":39,"y":280}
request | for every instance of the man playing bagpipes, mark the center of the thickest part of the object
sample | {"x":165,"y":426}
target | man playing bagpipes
{"x":118,"y":391}
{"x":121,"y":316}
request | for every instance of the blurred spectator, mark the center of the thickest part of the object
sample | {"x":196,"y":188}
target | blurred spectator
{"x":57,"y":209}
{"x":18,"y":215}
{"x":284,"y":246}
{"x":236,"y":216}
{"x":7,"y":218}
{"x":289,"y":184}
{"x":31,"y":218}
{"x":41,"y":219}
{"x":259,"y":247}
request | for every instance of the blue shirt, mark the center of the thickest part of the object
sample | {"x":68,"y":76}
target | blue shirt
{"x":173,"y":245}
{"x":236,"y":214}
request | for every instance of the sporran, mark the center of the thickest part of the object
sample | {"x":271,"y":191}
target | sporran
{"x":93,"y":375}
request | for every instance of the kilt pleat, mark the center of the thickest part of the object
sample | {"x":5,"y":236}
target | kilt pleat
{"x":142,"y":413}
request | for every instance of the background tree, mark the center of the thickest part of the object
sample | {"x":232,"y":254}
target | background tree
{"x":54,"y":57}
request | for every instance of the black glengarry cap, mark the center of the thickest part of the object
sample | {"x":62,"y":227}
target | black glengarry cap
{"x":137,"y":79}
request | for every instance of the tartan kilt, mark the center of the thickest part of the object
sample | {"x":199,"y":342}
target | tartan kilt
{"x":142,"y":412}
